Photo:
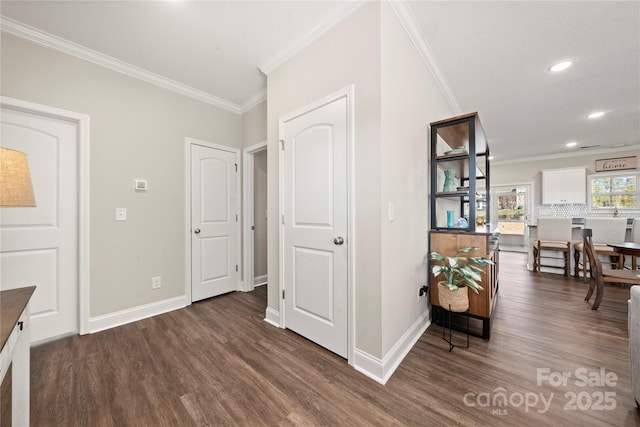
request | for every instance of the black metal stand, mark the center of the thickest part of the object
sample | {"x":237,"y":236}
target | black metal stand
{"x":450,"y":340}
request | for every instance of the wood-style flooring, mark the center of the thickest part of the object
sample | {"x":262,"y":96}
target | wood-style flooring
{"x":219,"y":363}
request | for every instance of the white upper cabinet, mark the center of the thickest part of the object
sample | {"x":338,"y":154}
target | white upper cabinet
{"x":564,"y":186}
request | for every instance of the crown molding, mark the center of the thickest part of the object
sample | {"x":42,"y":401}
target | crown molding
{"x":408,"y":21}
{"x":344,"y":9}
{"x":574,"y":153}
{"x":255,"y":99}
{"x":35,"y":35}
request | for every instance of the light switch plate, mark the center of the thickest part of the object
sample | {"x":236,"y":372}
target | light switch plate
{"x":121,"y":214}
{"x":140,"y":184}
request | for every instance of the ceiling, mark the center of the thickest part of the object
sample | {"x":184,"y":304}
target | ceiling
{"x":492,"y":57}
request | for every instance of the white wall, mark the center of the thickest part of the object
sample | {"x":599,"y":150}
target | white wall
{"x":259,"y":211}
{"x":395,"y":99}
{"x":347,"y":54}
{"x":527,"y":171}
{"x":254,"y":125}
{"x":410,"y":100}
{"x":137,"y":131}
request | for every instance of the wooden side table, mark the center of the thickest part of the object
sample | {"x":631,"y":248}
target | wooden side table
{"x":14,"y":337}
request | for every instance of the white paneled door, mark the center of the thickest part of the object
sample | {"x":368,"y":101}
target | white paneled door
{"x":39,"y":245}
{"x":214,"y":222}
{"x":315,"y":225}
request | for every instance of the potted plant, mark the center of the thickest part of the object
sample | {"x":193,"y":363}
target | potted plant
{"x":460,"y":274}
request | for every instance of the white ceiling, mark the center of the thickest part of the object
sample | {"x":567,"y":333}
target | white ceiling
{"x":493,"y":57}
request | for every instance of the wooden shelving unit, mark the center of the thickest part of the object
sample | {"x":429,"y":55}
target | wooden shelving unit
{"x":464,"y":133}
{"x":471,"y":167}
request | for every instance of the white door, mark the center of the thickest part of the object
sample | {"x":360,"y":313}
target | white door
{"x":39,"y":245}
{"x":214,"y":222}
{"x":315,"y":225}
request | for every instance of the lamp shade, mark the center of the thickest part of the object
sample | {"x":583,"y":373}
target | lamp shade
{"x":15,"y":179}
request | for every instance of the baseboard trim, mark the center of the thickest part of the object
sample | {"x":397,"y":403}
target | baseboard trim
{"x":260,"y":280}
{"x":272,"y":316}
{"x":119,"y":318}
{"x":381,"y":370}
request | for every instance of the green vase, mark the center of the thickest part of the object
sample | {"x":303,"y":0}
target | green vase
{"x":449,"y":181}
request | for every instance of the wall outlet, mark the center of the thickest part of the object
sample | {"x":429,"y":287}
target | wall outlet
{"x":121,"y":214}
{"x":422,"y":290}
{"x":156,"y":282}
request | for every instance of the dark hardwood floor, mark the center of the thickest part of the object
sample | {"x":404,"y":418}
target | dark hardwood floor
{"x":218,"y":363}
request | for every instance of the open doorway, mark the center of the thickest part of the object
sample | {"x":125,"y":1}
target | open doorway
{"x":511,"y":210}
{"x":255,"y":215}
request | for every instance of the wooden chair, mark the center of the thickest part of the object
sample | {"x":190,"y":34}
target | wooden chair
{"x":554,"y":234}
{"x":600,"y":275}
{"x":605,"y":230}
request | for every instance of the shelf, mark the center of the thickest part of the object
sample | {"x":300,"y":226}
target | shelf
{"x":470,"y":164}
{"x":455,"y":132}
{"x":452,"y":157}
{"x":452,"y":193}
{"x":460,"y":163}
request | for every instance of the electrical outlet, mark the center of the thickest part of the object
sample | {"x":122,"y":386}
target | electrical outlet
{"x":156,"y":282}
{"x":121,"y":214}
{"x":422,"y":290}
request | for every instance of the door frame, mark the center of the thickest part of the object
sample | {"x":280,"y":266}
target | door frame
{"x":529,"y":211}
{"x":248,"y":155}
{"x":348,"y":93}
{"x":188,"y":142}
{"x":82,"y":122}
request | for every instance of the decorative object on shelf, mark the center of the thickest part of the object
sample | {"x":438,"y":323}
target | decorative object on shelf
{"x":462,"y":222}
{"x":480,"y":220}
{"x":458,"y":272}
{"x":449,"y":181}
{"x":460,"y":150}
{"x":450,"y":219}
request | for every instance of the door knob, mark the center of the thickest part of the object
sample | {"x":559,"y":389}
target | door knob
{"x":338,"y":241}
{"x":197,"y":231}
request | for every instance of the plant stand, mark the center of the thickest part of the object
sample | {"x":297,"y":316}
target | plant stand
{"x":447,"y":314}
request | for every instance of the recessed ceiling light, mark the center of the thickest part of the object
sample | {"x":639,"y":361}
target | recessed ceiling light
{"x":560,"y":66}
{"x":571,"y":144}
{"x":596,"y":115}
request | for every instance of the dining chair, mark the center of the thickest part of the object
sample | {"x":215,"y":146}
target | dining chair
{"x":554,"y":234}
{"x":600,"y":275}
{"x":605,"y":230}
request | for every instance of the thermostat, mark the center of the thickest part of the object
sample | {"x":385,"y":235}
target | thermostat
{"x":140,"y":184}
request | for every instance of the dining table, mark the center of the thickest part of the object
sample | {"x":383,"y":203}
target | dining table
{"x":627,"y":248}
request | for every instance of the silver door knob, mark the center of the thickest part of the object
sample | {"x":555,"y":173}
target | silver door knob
{"x":197,"y":231}
{"x":338,"y":241}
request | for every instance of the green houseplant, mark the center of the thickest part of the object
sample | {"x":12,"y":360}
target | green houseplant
{"x":460,"y":274}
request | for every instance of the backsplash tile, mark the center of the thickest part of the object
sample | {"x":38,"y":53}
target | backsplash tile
{"x":579,"y":211}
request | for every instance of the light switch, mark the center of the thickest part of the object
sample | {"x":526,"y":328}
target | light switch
{"x":140,"y":184}
{"x":392,"y":212}
{"x":121,"y":214}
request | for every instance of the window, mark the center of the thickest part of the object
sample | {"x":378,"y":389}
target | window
{"x":614,"y":191}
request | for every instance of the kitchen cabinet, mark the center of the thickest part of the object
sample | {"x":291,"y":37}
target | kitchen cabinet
{"x":564,"y":186}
